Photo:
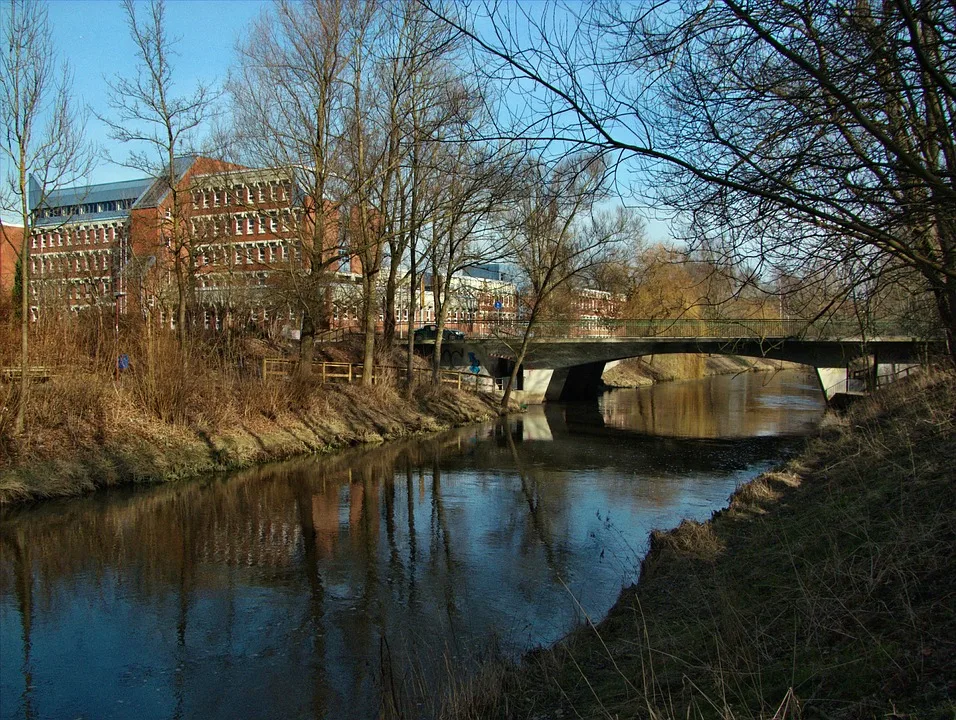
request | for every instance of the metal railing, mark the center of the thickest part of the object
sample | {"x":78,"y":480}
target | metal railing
{"x":682,"y":328}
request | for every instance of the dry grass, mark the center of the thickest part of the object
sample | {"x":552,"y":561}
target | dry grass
{"x":825,"y":590}
{"x":177,"y":413}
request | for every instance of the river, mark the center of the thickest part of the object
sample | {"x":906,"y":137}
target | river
{"x":300,"y":589}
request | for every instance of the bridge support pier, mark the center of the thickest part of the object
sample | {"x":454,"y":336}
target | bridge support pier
{"x":834,"y":382}
{"x":538,"y":385}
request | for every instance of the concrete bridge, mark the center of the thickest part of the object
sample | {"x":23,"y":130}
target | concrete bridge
{"x":566,"y":359}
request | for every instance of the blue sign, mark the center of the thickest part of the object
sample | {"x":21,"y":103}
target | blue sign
{"x":123,"y":362}
{"x":498,"y":305}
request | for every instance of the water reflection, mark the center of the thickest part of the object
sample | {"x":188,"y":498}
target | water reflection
{"x":285,"y":590}
{"x":780,"y":403}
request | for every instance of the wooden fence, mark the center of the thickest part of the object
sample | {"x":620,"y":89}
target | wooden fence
{"x":34,"y":372}
{"x":326,"y":372}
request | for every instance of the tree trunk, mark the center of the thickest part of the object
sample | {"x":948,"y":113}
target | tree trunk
{"x":522,"y":352}
{"x":306,"y":346}
{"x":368,"y":357}
{"x":391,"y":321}
{"x":19,"y":423}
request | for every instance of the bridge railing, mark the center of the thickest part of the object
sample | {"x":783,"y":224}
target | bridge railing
{"x":683,"y":328}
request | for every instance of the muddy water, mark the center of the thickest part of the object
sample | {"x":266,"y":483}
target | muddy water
{"x":300,"y":589}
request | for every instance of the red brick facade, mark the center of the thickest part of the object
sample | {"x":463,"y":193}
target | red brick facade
{"x":10,"y":238}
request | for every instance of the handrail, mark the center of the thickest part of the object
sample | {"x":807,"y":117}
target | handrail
{"x":735,"y":328}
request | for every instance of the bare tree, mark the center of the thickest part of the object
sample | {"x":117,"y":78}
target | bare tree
{"x":147,"y":111}
{"x":790,"y":137}
{"x":469,"y":226}
{"x":42,"y":145}
{"x":371,"y":168}
{"x":556,"y":236}
{"x":289,"y":98}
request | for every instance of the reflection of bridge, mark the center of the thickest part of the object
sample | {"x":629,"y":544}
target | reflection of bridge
{"x":567,"y":358}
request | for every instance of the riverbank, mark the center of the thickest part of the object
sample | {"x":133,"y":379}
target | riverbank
{"x":640,"y":372}
{"x":825,"y":589}
{"x":88,"y":433}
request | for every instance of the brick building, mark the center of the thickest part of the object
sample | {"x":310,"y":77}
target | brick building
{"x":239,"y":231}
{"x":10,"y":238}
{"x":236,"y":229}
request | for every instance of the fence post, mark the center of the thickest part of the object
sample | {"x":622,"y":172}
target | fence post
{"x":350,"y":373}
{"x":263,"y":368}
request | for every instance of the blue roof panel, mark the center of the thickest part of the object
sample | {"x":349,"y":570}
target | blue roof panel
{"x":86,"y":194}
{"x":81,"y":218}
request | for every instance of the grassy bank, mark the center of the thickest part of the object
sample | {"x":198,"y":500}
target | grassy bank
{"x":197,"y":414}
{"x":827,"y":589}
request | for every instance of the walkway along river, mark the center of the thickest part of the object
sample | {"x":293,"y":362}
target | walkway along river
{"x":282,"y":591}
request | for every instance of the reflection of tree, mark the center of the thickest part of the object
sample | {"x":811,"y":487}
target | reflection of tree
{"x":412,"y":541}
{"x":441,"y":535}
{"x":310,"y":561}
{"x":23,"y":588}
{"x":535,"y":513}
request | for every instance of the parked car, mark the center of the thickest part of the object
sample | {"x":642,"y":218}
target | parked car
{"x":428,"y":333}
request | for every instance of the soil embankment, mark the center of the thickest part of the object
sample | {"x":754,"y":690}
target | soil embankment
{"x":637,"y":372}
{"x":89,"y":435}
{"x":826,"y":589}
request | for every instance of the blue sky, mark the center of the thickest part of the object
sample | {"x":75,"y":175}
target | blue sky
{"x":91,"y":35}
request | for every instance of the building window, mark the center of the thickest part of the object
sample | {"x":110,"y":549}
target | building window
{"x":262,"y":254}
{"x":248,"y":256}
{"x":272,"y":192}
{"x":250,"y":222}
{"x":262,"y":225}
{"x":273,"y":224}
{"x":215,"y":198}
{"x":262,"y":194}
{"x":205,"y":199}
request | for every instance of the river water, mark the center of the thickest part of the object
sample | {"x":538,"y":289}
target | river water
{"x":300,"y":589}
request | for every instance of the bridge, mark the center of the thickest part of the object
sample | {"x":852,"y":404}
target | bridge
{"x":567,"y":358}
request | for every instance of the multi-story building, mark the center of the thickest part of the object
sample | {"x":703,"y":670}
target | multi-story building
{"x":78,"y":245}
{"x":239,"y":240}
{"x":236,"y":230}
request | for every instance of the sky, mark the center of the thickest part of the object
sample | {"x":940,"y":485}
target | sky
{"x":92,"y":36}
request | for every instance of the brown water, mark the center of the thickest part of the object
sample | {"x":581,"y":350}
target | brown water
{"x":297,"y":589}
